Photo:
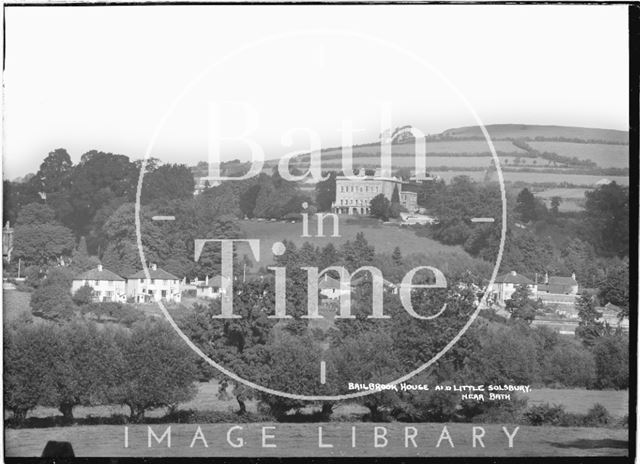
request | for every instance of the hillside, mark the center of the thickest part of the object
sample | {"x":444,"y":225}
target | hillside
{"x":532,"y":132}
{"x":542,"y":157}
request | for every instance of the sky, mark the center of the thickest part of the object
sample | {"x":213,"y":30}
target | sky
{"x":182,"y":83}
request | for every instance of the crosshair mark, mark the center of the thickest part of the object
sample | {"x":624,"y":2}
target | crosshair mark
{"x":163,"y":218}
{"x":482,"y":219}
{"x":323,"y":372}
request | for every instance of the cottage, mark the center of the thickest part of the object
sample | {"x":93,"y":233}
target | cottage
{"x":563,"y":285}
{"x":211,"y":287}
{"x":560,"y":285}
{"x":159,"y":286}
{"x":331,"y":288}
{"x":106,"y":285}
{"x":505,"y":285}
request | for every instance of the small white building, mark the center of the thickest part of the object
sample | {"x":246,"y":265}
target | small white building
{"x":505,"y":285}
{"x":212,"y":288}
{"x":106,"y":285}
{"x":332,"y":288}
{"x":159,"y":286}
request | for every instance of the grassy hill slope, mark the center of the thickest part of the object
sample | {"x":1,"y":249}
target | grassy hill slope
{"x":532,"y":131}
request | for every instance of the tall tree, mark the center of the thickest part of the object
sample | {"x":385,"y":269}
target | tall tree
{"x":591,"y":326}
{"x":98,"y":179}
{"x":326,"y":192}
{"x":53,"y":181}
{"x":380,"y":207}
{"x":607,"y":219}
{"x":39,"y":238}
{"x":157,"y":369}
{"x":615,"y":288}
{"x":167,"y":182}
{"x":526,"y":206}
{"x":521,"y":306}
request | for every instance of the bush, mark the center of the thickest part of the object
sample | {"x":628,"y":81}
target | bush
{"x":611,"y":354}
{"x":598,"y":416}
{"x":428,"y":406}
{"x":493,"y":412}
{"x":545,"y":414}
{"x":52,"y":299}
{"x":83,"y":296}
{"x":118,"y":312}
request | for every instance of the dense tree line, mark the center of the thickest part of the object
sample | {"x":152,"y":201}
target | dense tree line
{"x":82,"y":364}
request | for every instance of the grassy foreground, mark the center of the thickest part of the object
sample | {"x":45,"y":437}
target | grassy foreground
{"x":302,"y":440}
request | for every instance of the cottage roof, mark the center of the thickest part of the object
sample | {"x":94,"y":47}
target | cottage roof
{"x":154,"y":273}
{"x":328,"y":282}
{"x":513,"y":278}
{"x":569,"y":281}
{"x":99,"y":273}
{"x":214,"y":282}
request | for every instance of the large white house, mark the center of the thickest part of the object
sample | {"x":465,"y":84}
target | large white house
{"x":106,"y":285}
{"x":353,"y":196}
{"x":159,"y":286}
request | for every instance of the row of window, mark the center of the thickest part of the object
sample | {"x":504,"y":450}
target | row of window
{"x":356,"y":188}
{"x":352,"y":201}
{"x":110,"y":283}
{"x":160,"y":282}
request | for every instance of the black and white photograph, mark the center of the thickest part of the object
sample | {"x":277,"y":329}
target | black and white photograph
{"x":285,"y":230}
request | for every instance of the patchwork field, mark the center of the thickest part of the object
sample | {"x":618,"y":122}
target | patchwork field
{"x":531,"y":131}
{"x":604,"y":155}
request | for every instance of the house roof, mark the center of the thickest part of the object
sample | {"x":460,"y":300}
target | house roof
{"x":328,"y":282}
{"x":98,"y":274}
{"x":562,"y":281}
{"x":215,"y":282}
{"x":154,"y":274}
{"x":513,"y":278}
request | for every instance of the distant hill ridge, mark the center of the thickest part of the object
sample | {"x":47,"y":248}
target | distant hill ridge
{"x":540,"y":132}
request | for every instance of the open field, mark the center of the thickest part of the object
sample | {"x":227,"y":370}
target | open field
{"x":580,"y":401}
{"x":604,"y":155}
{"x":449,"y":146}
{"x":438,"y":161}
{"x":383,"y":237}
{"x":303,"y":440}
{"x":564,"y":193}
{"x":586,"y":180}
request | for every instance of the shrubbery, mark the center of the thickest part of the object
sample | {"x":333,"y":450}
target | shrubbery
{"x":545,"y":414}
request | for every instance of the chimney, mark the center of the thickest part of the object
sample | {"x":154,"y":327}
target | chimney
{"x":513,"y":273}
{"x":99,"y":267}
{"x":546,"y":277}
{"x":154,"y":267}
{"x":206,"y":280}
{"x":573,"y":276}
